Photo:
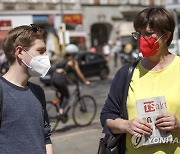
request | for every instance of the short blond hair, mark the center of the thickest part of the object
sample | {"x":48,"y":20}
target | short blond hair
{"x":21,"y":36}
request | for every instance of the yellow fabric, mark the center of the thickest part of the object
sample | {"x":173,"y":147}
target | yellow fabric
{"x":56,"y":45}
{"x":146,"y":84}
{"x":128,"y":48}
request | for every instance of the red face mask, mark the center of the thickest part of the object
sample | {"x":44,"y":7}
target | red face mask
{"x":148,"y":45}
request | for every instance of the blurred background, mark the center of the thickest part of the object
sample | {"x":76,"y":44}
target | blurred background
{"x":87,"y":23}
{"x":102,"y":31}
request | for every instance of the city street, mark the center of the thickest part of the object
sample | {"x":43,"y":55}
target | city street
{"x":99,"y":32}
{"x":70,"y":139}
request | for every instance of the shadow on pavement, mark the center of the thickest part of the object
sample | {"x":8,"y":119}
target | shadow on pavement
{"x":65,"y":129}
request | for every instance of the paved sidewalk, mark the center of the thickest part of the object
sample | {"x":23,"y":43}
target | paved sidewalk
{"x":78,"y":141}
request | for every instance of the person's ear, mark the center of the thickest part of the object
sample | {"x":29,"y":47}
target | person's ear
{"x":167,"y":36}
{"x":18,"y":51}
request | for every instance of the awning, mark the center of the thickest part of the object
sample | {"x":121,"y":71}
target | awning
{"x":40,"y":19}
{"x":77,"y":34}
{"x":2,"y":35}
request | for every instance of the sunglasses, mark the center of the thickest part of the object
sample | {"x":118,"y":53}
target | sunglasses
{"x":34,"y":27}
{"x":137,"y":35}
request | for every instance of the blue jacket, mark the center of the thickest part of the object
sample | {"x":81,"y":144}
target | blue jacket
{"x":112,"y":107}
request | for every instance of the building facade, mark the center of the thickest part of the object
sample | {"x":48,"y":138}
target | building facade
{"x":87,"y":22}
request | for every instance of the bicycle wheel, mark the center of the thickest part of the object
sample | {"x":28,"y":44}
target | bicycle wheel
{"x":84,"y":110}
{"x":52,"y":111}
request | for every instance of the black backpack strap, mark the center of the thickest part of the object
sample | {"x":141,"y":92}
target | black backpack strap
{"x":1,"y":104}
{"x":126,"y":88}
{"x":37,"y":91}
{"x":122,"y":139}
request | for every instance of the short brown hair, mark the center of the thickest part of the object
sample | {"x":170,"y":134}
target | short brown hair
{"x":24,"y":36}
{"x":158,"y":19}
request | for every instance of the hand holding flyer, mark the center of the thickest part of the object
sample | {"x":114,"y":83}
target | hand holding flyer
{"x":148,"y":109}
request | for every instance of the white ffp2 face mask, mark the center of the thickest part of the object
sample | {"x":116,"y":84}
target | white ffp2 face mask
{"x":38,"y":66}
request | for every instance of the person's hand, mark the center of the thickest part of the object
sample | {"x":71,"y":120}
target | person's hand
{"x":139,"y":126}
{"x":59,"y":70}
{"x":167,"y":122}
{"x":87,"y":82}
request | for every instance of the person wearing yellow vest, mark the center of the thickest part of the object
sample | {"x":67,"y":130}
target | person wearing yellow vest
{"x":156,"y":74}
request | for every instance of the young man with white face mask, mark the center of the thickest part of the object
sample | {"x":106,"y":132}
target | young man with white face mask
{"x":25,"y":126}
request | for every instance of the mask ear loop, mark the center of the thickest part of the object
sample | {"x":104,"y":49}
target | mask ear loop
{"x":28,"y":53}
{"x":155,"y":41}
{"x":159,"y":38}
{"x":25,"y":62}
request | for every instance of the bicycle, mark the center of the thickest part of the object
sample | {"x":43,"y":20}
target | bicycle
{"x":84,"y":109}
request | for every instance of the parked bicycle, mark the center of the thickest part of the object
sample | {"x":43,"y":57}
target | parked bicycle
{"x":83,"y":109}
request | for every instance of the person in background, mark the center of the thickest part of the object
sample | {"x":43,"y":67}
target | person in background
{"x":92,"y":49}
{"x":4,"y":66}
{"x":156,"y":74}
{"x":116,"y":49}
{"x":60,"y":75}
{"x":25,"y":126}
{"x":106,"y":51}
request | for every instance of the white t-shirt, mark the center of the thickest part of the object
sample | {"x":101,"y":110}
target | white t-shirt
{"x":106,"y":50}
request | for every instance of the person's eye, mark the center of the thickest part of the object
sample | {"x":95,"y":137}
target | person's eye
{"x":42,"y":52}
{"x":149,"y":34}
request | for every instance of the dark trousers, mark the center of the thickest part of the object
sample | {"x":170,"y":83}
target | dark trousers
{"x":58,"y":80}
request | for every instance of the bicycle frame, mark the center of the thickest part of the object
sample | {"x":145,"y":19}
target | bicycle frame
{"x":76,"y":93}
{"x":80,"y":106}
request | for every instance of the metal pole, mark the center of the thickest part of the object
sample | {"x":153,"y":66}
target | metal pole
{"x":174,"y":6}
{"x":61,"y":29}
{"x":176,"y":31}
{"x":62,"y":11}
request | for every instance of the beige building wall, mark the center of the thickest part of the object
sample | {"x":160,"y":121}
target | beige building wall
{"x":99,"y":14}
